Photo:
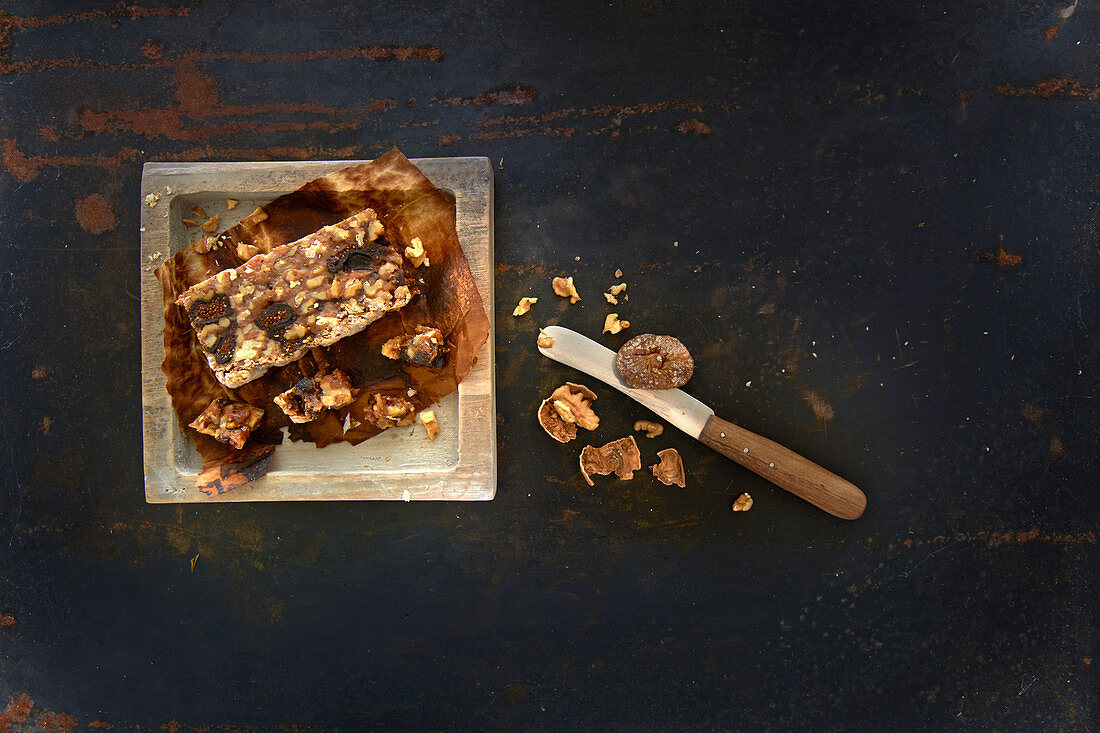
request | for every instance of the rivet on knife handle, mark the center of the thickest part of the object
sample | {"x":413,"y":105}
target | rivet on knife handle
{"x":785,"y":468}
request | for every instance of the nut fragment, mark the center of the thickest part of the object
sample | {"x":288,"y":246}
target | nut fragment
{"x":524,"y":306}
{"x":652,"y":429}
{"x":190,"y":223}
{"x":564,"y":287}
{"x":210,"y":225}
{"x":618,"y":273}
{"x":152,"y":199}
{"x":620,"y":457}
{"x":387,"y":411}
{"x":568,"y":401}
{"x":670,"y":470}
{"x":231,"y":204}
{"x":654,"y":362}
{"x":426,"y":347}
{"x":228,"y":422}
{"x":611,"y":299}
{"x":427,"y":419}
{"x":616,"y":289}
{"x":742,"y":503}
{"x":613,"y":325}
{"x":545,"y":340}
{"x":197,"y":211}
{"x":414,"y":253}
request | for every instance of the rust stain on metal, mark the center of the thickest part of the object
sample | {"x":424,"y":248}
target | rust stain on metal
{"x":516,"y":95}
{"x":7,"y":621}
{"x":94,"y":214}
{"x":39,"y":372}
{"x":1050,"y":32}
{"x":694,"y":126}
{"x":1009,"y":537}
{"x":44,"y":425}
{"x":503,"y":267}
{"x":1065,"y":86}
{"x":20,"y":714}
{"x":1008,"y":259}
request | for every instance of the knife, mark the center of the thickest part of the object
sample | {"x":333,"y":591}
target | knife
{"x":783,"y":467}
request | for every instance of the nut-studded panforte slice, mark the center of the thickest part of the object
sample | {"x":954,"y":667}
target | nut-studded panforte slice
{"x":311,"y":292}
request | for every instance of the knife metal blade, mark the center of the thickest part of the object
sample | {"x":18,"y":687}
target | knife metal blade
{"x":580,"y":352}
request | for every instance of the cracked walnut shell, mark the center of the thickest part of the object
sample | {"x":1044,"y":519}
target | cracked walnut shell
{"x":569,"y":406}
{"x":620,"y":457}
{"x":671,"y":468}
{"x":650,"y":361}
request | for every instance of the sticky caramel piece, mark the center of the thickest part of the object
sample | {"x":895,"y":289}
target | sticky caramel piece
{"x":311,"y":292}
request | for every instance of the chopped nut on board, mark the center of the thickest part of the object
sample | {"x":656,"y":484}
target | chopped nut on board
{"x":613,"y":325}
{"x":742,"y":503}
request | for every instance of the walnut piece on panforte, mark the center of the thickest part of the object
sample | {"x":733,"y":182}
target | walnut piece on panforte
{"x":227,"y":421}
{"x":425,"y":347}
{"x":650,"y":361}
{"x":564,"y":287}
{"x":524,"y":305}
{"x":309,"y":397}
{"x":570,"y":405}
{"x":620,"y":457}
{"x":414,"y":253}
{"x":325,"y":286}
{"x":670,"y":471}
{"x":742,"y":503}
{"x":652,"y":429}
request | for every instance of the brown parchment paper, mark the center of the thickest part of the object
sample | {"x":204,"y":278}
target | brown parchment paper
{"x":409,"y":206}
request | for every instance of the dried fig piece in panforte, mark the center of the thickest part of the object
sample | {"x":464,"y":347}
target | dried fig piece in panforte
{"x":620,"y":457}
{"x":569,"y":406}
{"x":650,"y":361}
{"x":670,"y":471}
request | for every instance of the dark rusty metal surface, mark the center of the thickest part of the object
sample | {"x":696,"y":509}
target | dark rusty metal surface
{"x":875,"y":225}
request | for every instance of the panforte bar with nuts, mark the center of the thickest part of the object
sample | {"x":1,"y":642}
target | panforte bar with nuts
{"x":312,"y":292}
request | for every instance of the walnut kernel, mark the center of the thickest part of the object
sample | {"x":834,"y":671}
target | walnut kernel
{"x":427,"y":419}
{"x":564,"y":287}
{"x":545,"y":340}
{"x":742,"y":503}
{"x":652,"y":429}
{"x":190,"y":223}
{"x":414,"y":253}
{"x":210,"y":225}
{"x":524,"y":306}
{"x":231,"y":204}
{"x":613,"y":325}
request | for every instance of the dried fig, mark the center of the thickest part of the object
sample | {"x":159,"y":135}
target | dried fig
{"x":650,"y":361}
{"x":620,"y":457}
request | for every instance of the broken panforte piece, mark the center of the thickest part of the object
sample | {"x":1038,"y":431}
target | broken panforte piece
{"x":425,"y":347}
{"x":311,"y":292}
{"x":228,"y":422}
{"x":309,"y":397}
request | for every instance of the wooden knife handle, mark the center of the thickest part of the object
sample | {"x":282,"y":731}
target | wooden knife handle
{"x":785,"y":468}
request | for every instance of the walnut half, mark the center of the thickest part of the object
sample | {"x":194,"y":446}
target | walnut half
{"x":570,"y":405}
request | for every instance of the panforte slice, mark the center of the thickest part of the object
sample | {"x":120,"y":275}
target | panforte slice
{"x":311,"y":292}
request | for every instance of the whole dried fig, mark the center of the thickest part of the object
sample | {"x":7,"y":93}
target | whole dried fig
{"x":650,"y":361}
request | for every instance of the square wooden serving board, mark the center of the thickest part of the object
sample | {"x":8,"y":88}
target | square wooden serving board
{"x":459,"y":465}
